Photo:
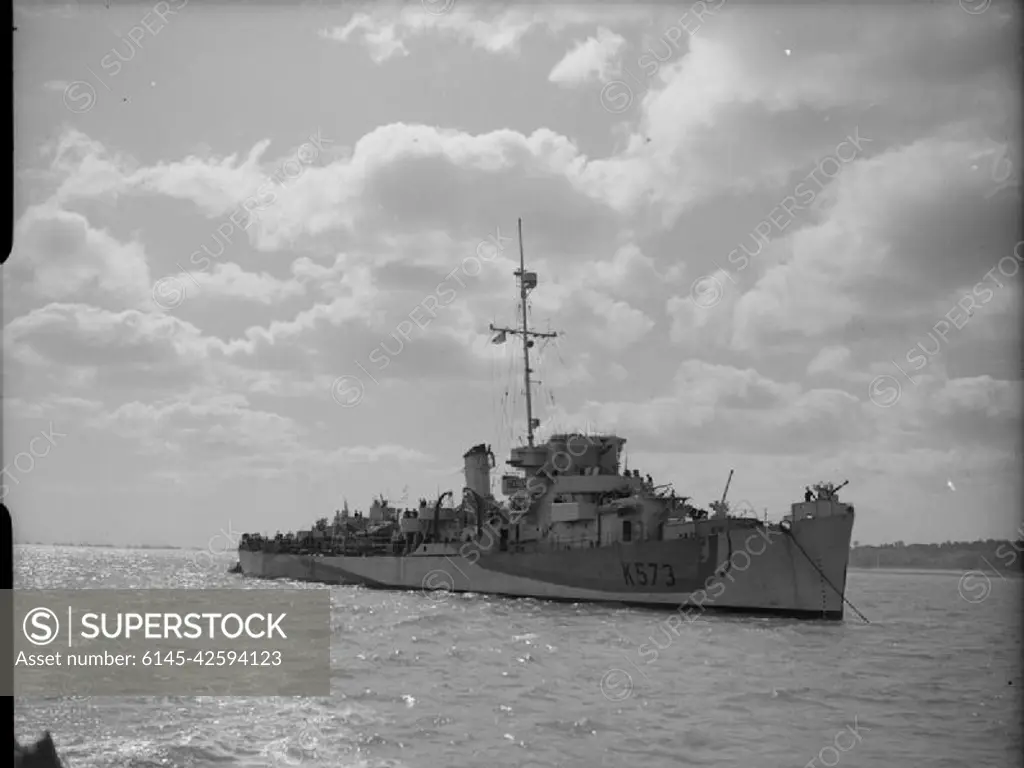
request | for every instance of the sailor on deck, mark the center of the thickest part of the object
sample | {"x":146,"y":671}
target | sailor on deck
{"x":808,"y":493}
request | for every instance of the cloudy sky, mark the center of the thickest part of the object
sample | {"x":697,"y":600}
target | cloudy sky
{"x":258,"y":249}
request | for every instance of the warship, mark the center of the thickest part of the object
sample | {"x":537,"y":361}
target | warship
{"x":576,"y":526}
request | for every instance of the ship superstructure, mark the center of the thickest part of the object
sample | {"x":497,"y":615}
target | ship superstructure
{"x":575,"y":525}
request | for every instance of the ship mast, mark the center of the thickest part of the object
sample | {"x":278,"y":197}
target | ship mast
{"x":527,"y":282}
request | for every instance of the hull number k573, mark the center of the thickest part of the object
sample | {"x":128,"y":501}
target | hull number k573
{"x":648,"y":574}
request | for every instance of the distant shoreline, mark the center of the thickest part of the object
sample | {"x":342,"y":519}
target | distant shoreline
{"x":998,"y":556}
{"x":105,"y":546}
{"x":924,"y":569}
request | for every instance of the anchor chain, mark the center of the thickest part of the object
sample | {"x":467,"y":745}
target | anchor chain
{"x":786,"y":528}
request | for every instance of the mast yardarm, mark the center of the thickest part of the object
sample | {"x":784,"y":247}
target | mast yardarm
{"x":527,"y":282}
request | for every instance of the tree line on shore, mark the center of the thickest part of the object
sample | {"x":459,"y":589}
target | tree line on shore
{"x":990,"y":554}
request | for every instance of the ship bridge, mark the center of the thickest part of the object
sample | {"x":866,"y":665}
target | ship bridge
{"x":586,"y":452}
{"x":570,"y":453}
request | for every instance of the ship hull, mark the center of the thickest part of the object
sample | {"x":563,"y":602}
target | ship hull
{"x":268,"y":565}
{"x":747,"y":568}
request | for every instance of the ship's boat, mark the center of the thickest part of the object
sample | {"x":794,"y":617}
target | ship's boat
{"x":574,"y":525}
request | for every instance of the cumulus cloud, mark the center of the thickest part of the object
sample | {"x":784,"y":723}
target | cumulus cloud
{"x":904,"y":223}
{"x":380,"y":39}
{"x":494,"y":29}
{"x":593,"y":58}
{"x":829,"y":360}
{"x":59,"y":256}
{"x":736,"y":93}
{"x":231,"y":281}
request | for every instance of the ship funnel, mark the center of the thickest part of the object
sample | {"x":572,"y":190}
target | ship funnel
{"x":479,"y":460}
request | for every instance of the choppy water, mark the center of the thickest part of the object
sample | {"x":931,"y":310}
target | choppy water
{"x":934,"y":680}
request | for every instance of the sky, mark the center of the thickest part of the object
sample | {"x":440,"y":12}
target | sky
{"x":258,"y":249}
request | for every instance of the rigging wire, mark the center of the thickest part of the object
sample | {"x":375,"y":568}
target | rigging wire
{"x":496,"y":408}
{"x":513,"y":402}
{"x":508,"y":406}
{"x":551,"y":368}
